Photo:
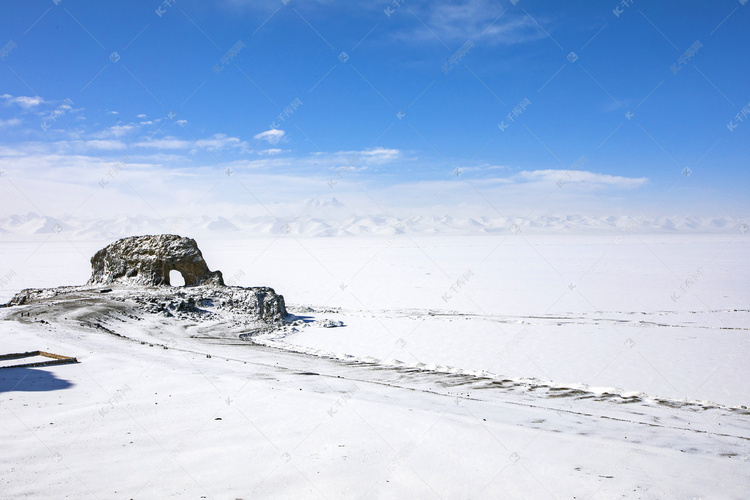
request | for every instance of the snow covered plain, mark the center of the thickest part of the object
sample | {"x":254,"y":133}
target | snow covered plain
{"x":509,"y":365}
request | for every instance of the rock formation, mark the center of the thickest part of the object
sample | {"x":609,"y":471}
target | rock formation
{"x":147,"y":260}
{"x":135,"y":271}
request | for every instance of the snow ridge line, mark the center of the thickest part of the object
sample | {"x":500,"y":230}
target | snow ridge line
{"x":463,"y":380}
{"x":485,"y":380}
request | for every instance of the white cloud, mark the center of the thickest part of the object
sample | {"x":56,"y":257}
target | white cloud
{"x":106,"y":144}
{"x":261,"y":163}
{"x":140,"y":116}
{"x":115,"y":131}
{"x":358,"y":160}
{"x":57,"y":177}
{"x":72,"y":146}
{"x":222,"y":141}
{"x":10,"y":123}
{"x":215,"y":142}
{"x":563,"y":177}
{"x":476,"y":19}
{"x":273,"y":136}
{"x":271,"y":151}
{"x":380,"y":155}
{"x":25,"y":102}
{"x":481,"y":168}
{"x":112,"y":113}
{"x":166,"y":143}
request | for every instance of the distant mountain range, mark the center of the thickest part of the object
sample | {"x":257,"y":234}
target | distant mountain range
{"x":376,"y":225}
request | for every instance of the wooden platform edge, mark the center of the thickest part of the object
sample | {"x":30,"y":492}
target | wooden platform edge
{"x":17,"y":355}
{"x":57,"y":359}
{"x":65,"y":361}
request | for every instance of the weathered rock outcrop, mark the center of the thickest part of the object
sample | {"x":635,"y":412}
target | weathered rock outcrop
{"x":197,"y":303}
{"x":147,"y":260}
{"x":135,"y":271}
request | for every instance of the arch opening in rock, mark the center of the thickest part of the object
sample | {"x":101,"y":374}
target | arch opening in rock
{"x":145,"y":266}
{"x":176,"y":278}
{"x":147,"y":260}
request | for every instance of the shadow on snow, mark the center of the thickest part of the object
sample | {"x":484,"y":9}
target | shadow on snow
{"x":30,"y":380}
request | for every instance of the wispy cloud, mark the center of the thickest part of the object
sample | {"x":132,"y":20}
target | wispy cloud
{"x":166,"y":143}
{"x":359,"y":160}
{"x":222,"y":141}
{"x":489,"y":21}
{"x":580,"y":176}
{"x":215,"y":142}
{"x":25,"y":102}
{"x":12,"y":122}
{"x":115,"y":131}
{"x":380,"y":155}
{"x":107,"y":144}
{"x":271,"y":151}
{"x":479,"y":168}
{"x":170,"y":183}
{"x":121,"y":168}
{"x":273,"y":136}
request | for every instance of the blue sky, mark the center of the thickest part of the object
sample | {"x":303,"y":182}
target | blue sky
{"x":489,"y":108}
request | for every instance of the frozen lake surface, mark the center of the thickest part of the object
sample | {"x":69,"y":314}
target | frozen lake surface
{"x":510,"y":365}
